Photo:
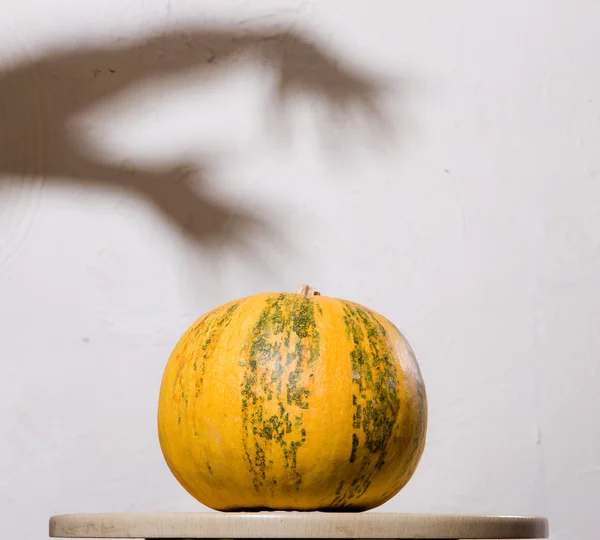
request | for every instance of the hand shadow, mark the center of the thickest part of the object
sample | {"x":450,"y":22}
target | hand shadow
{"x":40,"y":99}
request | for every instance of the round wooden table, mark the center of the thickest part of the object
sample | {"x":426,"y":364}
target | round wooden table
{"x":295,"y":525}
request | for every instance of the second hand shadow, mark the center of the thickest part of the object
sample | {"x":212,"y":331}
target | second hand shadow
{"x":39,"y":99}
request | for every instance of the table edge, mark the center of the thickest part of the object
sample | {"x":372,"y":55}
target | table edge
{"x":306,"y":525}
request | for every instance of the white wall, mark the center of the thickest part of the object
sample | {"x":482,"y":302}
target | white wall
{"x":474,"y":225}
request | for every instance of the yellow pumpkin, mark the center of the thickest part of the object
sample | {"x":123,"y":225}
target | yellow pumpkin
{"x":292,"y":401}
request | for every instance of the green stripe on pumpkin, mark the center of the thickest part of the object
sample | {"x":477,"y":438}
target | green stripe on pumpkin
{"x":281,"y":348}
{"x":207,"y":333}
{"x":416,"y":440}
{"x":376,"y":403}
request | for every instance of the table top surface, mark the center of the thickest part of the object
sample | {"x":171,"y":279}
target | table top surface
{"x":295,"y":525}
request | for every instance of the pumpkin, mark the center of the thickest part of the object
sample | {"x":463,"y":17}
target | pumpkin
{"x":292,"y":401}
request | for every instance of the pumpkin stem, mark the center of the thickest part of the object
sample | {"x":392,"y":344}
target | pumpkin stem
{"x":307,"y":291}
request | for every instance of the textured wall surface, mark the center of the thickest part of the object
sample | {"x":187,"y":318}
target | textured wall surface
{"x":438,"y":163}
